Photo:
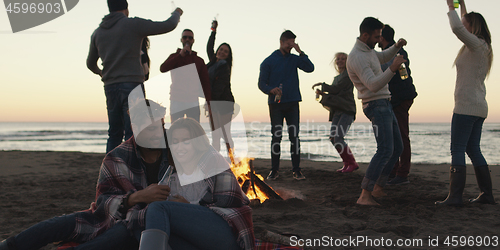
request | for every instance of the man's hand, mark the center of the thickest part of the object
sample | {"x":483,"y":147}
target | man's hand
{"x":179,"y":10}
{"x":401,"y":42}
{"x":153,"y":192}
{"x":398,"y":60}
{"x":297,"y":48}
{"x":178,"y":198}
{"x":214,"y":25}
{"x":275,"y":91}
{"x":316,"y":84}
{"x":186,"y":50}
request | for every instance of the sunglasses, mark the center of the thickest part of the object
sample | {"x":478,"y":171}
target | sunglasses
{"x":187,"y":37}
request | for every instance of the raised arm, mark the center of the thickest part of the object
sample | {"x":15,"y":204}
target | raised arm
{"x":148,"y":27}
{"x":210,"y":46}
{"x":211,"y":42}
{"x":470,"y":40}
{"x":463,"y":9}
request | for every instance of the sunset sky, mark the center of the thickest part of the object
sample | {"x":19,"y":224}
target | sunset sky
{"x":45,"y":78}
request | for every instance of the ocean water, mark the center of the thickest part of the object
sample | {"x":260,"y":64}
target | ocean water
{"x":430,"y":141}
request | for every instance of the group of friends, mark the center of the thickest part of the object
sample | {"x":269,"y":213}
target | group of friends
{"x":171,"y":189}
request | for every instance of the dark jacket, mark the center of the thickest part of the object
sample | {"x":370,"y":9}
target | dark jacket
{"x":118,"y":41}
{"x":219,"y":73}
{"x":401,"y":90}
{"x":339,"y":95}
{"x":282,"y":69}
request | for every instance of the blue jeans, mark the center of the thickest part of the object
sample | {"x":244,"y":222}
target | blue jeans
{"x":466,"y":138}
{"x":190,"y":226}
{"x":290,"y":112}
{"x":389,"y":143}
{"x":117,"y":106}
{"x":341,"y":122}
{"x":61,"y":229}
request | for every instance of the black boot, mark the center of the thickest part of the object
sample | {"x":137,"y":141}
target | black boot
{"x":484,"y":182}
{"x":457,"y":184}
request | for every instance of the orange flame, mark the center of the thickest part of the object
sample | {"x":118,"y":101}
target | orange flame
{"x":242,"y":172}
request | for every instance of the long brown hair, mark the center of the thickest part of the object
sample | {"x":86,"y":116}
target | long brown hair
{"x":480,"y":29}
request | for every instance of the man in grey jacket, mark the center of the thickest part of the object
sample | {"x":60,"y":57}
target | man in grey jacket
{"x":117,"y":42}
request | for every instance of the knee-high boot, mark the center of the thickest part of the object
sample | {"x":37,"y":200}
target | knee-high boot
{"x":457,"y":183}
{"x":350,"y":163}
{"x":483,"y":178}
{"x":154,"y":239}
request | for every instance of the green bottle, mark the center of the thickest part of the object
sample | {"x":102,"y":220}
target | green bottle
{"x":456,"y":3}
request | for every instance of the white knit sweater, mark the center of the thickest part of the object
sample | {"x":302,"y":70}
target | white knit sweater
{"x":472,"y":67}
{"x":363,"y":67}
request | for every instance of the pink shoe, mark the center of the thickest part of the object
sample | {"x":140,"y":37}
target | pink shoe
{"x":340,"y":170}
{"x":350,"y":168}
{"x":350,"y":163}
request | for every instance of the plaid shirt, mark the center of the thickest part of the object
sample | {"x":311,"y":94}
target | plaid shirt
{"x":122,"y":172}
{"x":226,"y":198}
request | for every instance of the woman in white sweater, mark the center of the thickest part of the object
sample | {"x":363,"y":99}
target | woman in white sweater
{"x":473,"y":64}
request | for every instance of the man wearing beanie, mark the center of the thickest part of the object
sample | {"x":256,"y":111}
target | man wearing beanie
{"x":117,"y":42}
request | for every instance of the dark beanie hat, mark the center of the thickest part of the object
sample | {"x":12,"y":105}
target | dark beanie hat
{"x":116,"y":5}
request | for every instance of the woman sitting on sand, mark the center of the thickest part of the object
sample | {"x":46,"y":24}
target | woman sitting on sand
{"x":338,"y":98}
{"x":206,"y":208}
{"x":473,"y":64}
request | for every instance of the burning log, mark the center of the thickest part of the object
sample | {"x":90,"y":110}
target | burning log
{"x":268,"y":191}
{"x":252,"y":184}
{"x":265,"y":188}
{"x":245,"y":186}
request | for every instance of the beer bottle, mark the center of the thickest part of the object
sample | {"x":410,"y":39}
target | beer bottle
{"x":402,"y":71}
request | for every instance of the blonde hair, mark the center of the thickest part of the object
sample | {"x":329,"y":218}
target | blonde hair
{"x":480,"y":29}
{"x":334,"y":60}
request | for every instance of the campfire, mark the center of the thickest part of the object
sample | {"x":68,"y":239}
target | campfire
{"x":252,"y":184}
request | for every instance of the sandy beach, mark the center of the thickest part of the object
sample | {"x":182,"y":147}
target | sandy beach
{"x":35,"y":186}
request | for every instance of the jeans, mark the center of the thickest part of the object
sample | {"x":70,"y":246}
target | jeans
{"x":402,"y":166}
{"x":389,"y":143}
{"x":190,"y":226}
{"x":61,"y":229}
{"x":466,"y":138}
{"x":290,"y":112}
{"x":117,"y":106}
{"x":341,"y":122}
